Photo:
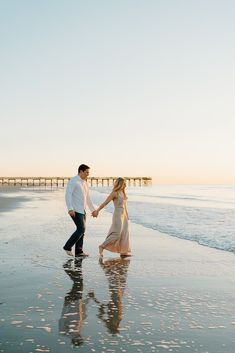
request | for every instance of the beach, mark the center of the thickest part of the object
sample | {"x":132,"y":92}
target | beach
{"x":172,"y":295}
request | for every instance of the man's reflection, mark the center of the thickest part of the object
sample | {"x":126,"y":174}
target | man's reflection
{"x":112,"y":313}
{"x":74,"y":309}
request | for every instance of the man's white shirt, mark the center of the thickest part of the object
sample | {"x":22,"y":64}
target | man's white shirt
{"x":77,"y":195}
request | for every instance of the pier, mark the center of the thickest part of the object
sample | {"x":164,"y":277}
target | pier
{"x":62,"y":181}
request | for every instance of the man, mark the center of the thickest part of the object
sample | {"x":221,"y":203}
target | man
{"x":77,"y":199}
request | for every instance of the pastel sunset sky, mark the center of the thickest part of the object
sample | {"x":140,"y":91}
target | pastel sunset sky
{"x":129,"y":87}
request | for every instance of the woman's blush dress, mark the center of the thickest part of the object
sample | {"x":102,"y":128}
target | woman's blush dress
{"x":117,"y":239}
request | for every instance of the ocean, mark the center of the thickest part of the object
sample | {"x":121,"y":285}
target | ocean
{"x":201,"y":213}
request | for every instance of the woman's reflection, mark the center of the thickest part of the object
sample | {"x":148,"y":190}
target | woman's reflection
{"x":74,"y":309}
{"x":112,"y":313}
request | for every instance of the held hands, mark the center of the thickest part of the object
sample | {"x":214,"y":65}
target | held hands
{"x":95,"y":213}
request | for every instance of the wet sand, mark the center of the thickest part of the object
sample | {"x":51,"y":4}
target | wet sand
{"x":171,"y":296}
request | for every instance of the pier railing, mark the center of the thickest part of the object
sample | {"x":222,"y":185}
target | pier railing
{"x":62,"y":181}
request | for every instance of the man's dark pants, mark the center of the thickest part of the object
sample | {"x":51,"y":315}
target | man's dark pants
{"x":77,"y":237}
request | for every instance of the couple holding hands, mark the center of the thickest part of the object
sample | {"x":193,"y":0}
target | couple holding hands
{"x":77,"y":199}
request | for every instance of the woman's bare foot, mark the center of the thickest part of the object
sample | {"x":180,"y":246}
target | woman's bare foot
{"x":125,"y":255}
{"x":100,"y":251}
{"x":69,"y":252}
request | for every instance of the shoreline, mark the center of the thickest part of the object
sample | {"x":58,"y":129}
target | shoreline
{"x":8,"y":204}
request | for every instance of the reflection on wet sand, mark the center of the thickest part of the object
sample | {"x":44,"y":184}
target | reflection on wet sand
{"x":74,"y":309}
{"x":112,"y":313}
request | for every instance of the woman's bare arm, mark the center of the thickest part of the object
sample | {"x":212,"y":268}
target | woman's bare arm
{"x":109,"y":198}
{"x":126,"y":212}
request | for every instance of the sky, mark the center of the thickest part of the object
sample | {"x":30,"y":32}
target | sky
{"x":129,"y":87}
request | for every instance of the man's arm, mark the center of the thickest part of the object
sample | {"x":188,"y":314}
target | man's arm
{"x":68,"y":195}
{"x":89,"y":203}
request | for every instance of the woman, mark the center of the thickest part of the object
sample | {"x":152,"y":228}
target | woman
{"x":117,"y":239}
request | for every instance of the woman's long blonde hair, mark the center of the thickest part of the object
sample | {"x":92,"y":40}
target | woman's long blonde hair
{"x":118,"y":185}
